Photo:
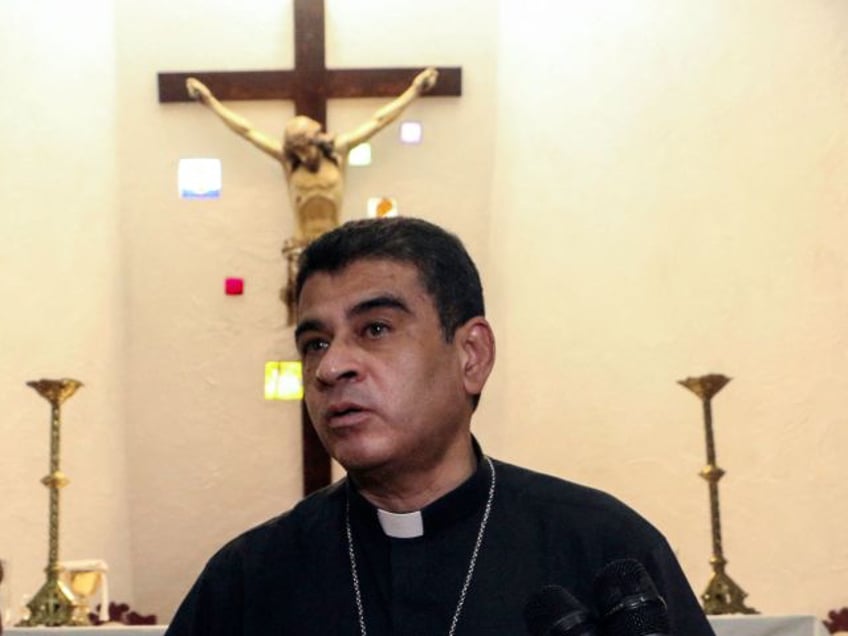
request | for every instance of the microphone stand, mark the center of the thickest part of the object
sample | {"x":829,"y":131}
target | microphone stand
{"x":723,"y":595}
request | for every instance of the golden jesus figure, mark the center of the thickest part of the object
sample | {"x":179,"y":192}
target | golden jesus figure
{"x":312,"y":159}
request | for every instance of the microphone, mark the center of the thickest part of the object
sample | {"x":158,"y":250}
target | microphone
{"x":627,"y":601}
{"x":552,"y":611}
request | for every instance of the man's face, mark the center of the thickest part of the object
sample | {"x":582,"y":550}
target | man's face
{"x":383,"y":388}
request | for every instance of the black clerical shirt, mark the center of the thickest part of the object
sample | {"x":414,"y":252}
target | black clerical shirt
{"x":292,"y":575}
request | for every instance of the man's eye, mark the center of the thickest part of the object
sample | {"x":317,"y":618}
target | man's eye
{"x":376,"y":330}
{"x":313,"y":346}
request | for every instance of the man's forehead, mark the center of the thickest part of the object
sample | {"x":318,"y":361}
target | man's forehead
{"x":366,"y":270}
{"x":362,"y":277}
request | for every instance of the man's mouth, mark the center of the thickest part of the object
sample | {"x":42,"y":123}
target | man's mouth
{"x":344,"y":411}
{"x":345,"y":414}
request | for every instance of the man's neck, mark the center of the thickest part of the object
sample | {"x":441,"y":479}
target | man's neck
{"x":410,"y":490}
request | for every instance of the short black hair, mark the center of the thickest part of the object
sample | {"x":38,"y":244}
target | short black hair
{"x":446,"y":270}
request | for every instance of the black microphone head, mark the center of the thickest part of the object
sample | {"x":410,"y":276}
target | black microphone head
{"x":552,"y":611}
{"x":627,"y":601}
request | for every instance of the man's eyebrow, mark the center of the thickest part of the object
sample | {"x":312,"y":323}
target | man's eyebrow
{"x":379,"y":302}
{"x":307,"y":325}
{"x":389,"y":301}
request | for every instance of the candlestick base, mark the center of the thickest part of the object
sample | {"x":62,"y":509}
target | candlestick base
{"x":52,"y":606}
{"x":724,"y":596}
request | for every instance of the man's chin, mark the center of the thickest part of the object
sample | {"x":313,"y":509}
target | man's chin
{"x":358,"y":463}
{"x":358,"y":457}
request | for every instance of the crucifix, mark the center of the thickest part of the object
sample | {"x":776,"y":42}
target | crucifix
{"x":310,"y":84}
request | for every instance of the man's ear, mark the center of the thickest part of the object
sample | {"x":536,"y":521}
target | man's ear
{"x":476,"y":343}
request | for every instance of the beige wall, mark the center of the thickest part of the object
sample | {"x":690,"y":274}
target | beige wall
{"x":652,"y":190}
{"x":62,"y":286}
{"x":682,"y":211}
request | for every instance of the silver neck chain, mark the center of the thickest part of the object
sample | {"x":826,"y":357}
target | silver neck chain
{"x":360,"y":610}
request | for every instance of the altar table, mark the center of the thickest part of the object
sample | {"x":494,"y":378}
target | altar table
{"x":102,"y":630}
{"x":723,"y":626}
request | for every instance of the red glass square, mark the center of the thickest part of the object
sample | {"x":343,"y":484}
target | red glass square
{"x":234,"y":286}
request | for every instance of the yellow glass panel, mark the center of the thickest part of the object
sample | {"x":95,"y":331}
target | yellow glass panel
{"x":283,"y":380}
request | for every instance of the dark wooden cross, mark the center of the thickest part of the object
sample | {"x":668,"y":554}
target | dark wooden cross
{"x":310,"y":84}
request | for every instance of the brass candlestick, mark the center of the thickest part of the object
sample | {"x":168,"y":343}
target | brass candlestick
{"x":723,"y":595}
{"x":54,"y":603}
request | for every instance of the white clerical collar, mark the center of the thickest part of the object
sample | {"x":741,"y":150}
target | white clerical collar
{"x":401,"y":525}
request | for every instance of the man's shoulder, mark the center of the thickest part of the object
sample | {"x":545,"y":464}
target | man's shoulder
{"x":310,"y":518}
{"x":557,"y":498}
{"x":549,"y":489}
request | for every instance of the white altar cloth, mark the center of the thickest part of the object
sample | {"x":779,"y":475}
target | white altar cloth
{"x":757,"y":625}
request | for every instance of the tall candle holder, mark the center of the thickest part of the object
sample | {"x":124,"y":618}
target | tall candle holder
{"x":723,"y":595}
{"x":53,"y":605}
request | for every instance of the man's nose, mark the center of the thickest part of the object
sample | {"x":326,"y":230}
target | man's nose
{"x":339,"y":362}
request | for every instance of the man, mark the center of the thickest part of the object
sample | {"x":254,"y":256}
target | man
{"x":426,"y":535}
